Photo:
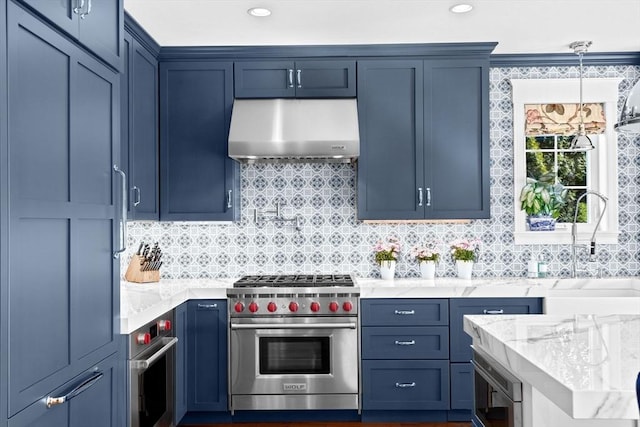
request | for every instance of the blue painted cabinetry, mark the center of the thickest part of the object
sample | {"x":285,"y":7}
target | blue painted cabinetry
{"x":139,"y":139}
{"x":198,"y":180}
{"x":460,"y":342}
{"x":405,"y":351}
{"x":206,"y":355}
{"x":301,"y":79}
{"x":180,"y":330}
{"x":97,"y":24}
{"x":427,"y":121}
{"x":61,"y":290}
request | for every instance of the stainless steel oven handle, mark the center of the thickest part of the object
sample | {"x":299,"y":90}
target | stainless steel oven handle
{"x":144,"y":364}
{"x":82,"y":387}
{"x":295,"y":326}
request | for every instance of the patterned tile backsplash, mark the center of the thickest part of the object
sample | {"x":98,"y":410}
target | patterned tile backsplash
{"x":332,"y":240}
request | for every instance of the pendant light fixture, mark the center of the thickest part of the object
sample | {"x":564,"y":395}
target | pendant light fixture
{"x":581,"y":142}
{"x":630,"y":116}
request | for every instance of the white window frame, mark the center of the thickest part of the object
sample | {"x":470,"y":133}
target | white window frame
{"x":603,"y":176}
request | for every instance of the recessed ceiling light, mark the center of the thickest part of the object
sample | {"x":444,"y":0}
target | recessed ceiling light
{"x":461,"y":8}
{"x":260,"y":12}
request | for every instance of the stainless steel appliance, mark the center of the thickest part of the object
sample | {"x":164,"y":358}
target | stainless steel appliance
{"x":497,"y":395}
{"x":293,"y":342}
{"x":152,"y":374}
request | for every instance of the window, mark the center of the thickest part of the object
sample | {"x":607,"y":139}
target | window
{"x":544,"y":149}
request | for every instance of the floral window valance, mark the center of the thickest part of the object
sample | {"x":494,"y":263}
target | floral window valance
{"x":563,"y":119}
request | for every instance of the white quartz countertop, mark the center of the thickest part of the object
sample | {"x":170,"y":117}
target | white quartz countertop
{"x":586,"y":364}
{"x":142,"y":302}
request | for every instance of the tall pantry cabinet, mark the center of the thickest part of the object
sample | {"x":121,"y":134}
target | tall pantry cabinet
{"x":59,"y":222}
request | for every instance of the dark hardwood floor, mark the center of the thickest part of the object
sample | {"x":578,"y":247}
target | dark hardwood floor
{"x":336,"y":424}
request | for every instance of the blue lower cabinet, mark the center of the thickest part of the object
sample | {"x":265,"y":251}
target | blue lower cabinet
{"x":98,"y":404}
{"x":207,"y":355}
{"x":405,"y":385}
{"x":180,"y":330}
{"x":461,"y":393}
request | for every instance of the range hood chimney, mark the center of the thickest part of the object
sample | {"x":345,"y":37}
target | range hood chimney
{"x":294,"y":130}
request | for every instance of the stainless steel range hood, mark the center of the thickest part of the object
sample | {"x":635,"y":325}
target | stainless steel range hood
{"x":294,"y":130}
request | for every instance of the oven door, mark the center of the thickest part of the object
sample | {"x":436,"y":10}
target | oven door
{"x":497,"y":395}
{"x":151,"y":377}
{"x":294,"y":356}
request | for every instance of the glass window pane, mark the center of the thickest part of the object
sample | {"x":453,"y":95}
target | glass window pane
{"x":572,"y":168}
{"x":568,"y":210}
{"x":540,"y":142}
{"x":564,"y":142}
{"x":539,"y":163}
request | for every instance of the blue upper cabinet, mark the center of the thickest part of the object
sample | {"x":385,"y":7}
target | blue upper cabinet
{"x":139,"y":111}
{"x":199,"y":181}
{"x":62,"y":129}
{"x":290,"y":79}
{"x":97,"y":24}
{"x":424,"y":139}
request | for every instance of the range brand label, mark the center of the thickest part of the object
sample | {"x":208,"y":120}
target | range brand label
{"x":295,"y":387}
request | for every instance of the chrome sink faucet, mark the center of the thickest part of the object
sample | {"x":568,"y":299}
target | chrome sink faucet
{"x":574,"y":232}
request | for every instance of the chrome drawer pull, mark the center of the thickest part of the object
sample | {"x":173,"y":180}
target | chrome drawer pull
{"x":405,"y":385}
{"x":420,"y":196}
{"x":83,"y":386}
{"x":405,"y":312}
{"x":412,"y":342}
{"x":501,"y":311}
{"x":207,"y":306}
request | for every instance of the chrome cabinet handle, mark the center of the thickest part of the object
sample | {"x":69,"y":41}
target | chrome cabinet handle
{"x":290,"y":82}
{"x":79,"y":7}
{"x":299,"y":78}
{"x":412,"y":342}
{"x":123,"y":220}
{"x":229,"y":205}
{"x":501,"y":311}
{"x":137,"y":191}
{"x":404,"y":312}
{"x":428,"y":196}
{"x":82,"y":387}
{"x":405,"y":385}
{"x":144,"y":364}
{"x":88,"y":11}
{"x":207,"y":306}
{"x":420,"y":196}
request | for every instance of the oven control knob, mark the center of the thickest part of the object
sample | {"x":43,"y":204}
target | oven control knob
{"x":347,"y":306}
{"x":272,"y":307}
{"x":143,"y":339}
{"x":253,"y":307}
{"x":333,"y":306}
{"x":293,"y":306}
{"x":315,"y":306}
{"x":164,"y":325}
{"x":238,"y":307}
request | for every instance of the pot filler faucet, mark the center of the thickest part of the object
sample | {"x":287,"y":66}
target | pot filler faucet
{"x":574,"y":232}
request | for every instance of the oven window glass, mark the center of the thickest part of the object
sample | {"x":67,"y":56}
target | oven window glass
{"x":492,"y":407}
{"x":295,"y":355}
{"x":153,"y":384}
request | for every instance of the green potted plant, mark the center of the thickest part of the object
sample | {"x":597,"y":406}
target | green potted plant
{"x":542,"y":200}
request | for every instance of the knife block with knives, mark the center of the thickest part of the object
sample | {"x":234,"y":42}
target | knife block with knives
{"x":145,"y":264}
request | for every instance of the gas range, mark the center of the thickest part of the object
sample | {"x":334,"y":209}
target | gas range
{"x":294,"y":295}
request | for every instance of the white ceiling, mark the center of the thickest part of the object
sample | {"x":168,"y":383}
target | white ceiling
{"x":519,"y":26}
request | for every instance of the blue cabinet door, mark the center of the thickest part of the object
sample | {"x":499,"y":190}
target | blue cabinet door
{"x":62,"y":209}
{"x":460,"y":342}
{"x":180,"y":329}
{"x":300,"y":79}
{"x":405,"y":384}
{"x":97,"y":24}
{"x":199,"y":181}
{"x":390,"y":167}
{"x":461,"y":385}
{"x":207,"y":355}
{"x":140,"y":130}
{"x":457,"y":138}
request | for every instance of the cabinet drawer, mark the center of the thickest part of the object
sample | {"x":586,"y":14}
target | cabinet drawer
{"x":412,"y":342}
{"x":460,"y":342}
{"x":405,"y":312}
{"x":405,"y":385}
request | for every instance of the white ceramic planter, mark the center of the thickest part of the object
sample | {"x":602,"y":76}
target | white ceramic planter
{"x":428,"y":269}
{"x":464,"y":269}
{"x":387,"y":269}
